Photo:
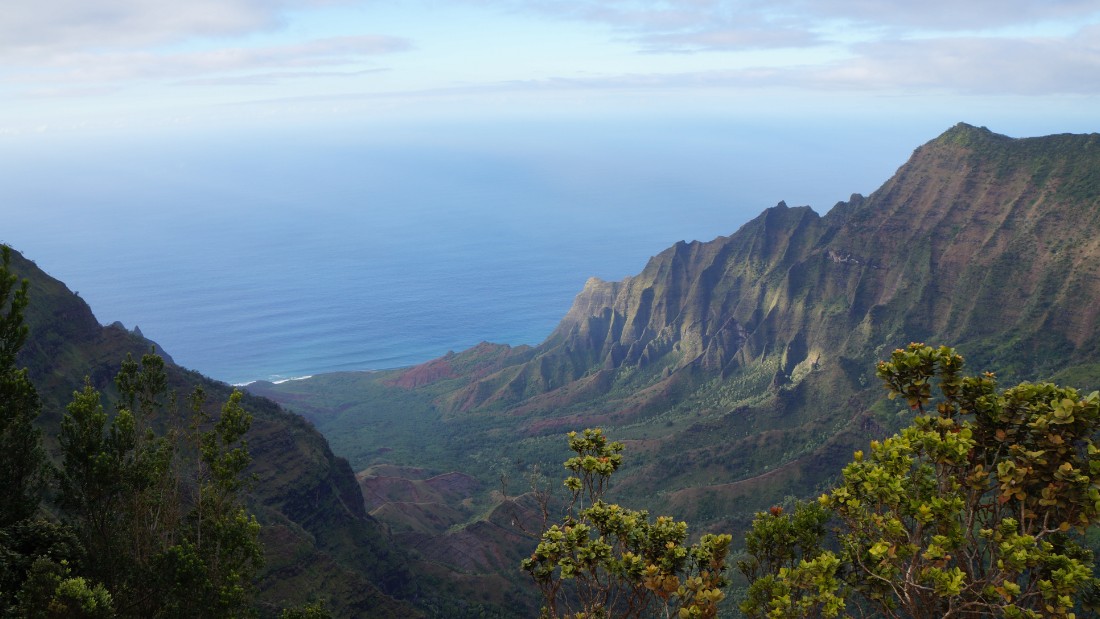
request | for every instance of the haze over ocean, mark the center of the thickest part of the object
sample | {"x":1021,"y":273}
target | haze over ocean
{"x":278,"y":254}
{"x":274,"y":189}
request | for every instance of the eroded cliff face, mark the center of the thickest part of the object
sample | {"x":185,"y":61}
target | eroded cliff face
{"x":982,"y":235}
{"x":698,"y":302}
{"x":701,"y":306}
{"x":976,"y":235}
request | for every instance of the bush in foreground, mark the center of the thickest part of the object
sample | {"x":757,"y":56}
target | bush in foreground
{"x":977,"y":509}
{"x":604,"y":560}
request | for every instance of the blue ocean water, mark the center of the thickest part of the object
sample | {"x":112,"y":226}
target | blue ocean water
{"x":271,"y":255}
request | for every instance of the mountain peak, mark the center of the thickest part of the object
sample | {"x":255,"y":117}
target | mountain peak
{"x":963,"y":134}
{"x":742,"y":368}
{"x":966,"y":203}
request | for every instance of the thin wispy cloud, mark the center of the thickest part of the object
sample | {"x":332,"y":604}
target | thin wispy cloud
{"x":671,"y":16}
{"x":739,"y":38}
{"x":52,"y":26}
{"x":962,"y":47}
{"x":941,"y":15}
{"x":684,"y":25}
{"x":986,"y":66}
{"x":974,"y":65}
{"x":677,"y":26}
{"x":275,"y":77}
{"x":260,"y":65}
{"x":234,"y":51}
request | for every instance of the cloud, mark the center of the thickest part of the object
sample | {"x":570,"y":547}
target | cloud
{"x":996,"y":47}
{"x":89,"y":72}
{"x":972,"y":65}
{"x":90,"y":47}
{"x":729,"y":39}
{"x":701,"y":25}
{"x":59,"y":25}
{"x":683,"y":25}
{"x":272,"y":77}
{"x":947,"y":15}
{"x":96,"y":47}
{"x":936,"y":65}
{"x":943,"y":15}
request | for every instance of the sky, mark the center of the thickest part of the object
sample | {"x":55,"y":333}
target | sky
{"x":158,"y":149}
{"x":133,"y":66}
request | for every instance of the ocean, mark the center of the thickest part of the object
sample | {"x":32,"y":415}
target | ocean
{"x":279,"y":254}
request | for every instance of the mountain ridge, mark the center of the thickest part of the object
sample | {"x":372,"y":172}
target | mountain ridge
{"x":315,"y":527}
{"x":739,"y":371}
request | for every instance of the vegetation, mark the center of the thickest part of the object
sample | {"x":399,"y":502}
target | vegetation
{"x":714,"y":362}
{"x":160,"y":514}
{"x":24,"y":536}
{"x":977,"y":509}
{"x":151,"y":521}
{"x":23,"y":465}
{"x":604,"y":560}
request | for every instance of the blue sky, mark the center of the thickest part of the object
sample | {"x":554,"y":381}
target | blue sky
{"x":1021,"y":66}
{"x":148,"y":144}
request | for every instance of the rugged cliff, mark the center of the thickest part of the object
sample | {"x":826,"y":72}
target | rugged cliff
{"x":740,"y":371}
{"x":977,"y":235}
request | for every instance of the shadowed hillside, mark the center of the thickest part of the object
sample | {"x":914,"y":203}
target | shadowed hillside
{"x":320,"y":543}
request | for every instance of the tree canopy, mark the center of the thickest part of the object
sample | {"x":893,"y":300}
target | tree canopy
{"x":145,"y":514}
{"x":23,"y":464}
{"x":160,"y":512}
{"x":604,"y":560}
{"x":977,"y":509}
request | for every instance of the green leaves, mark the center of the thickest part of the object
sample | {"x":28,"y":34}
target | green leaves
{"x":971,"y":507}
{"x":152,"y":517}
{"x":606,"y":560}
{"x":596,"y":460}
{"x":160,"y":514}
{"x":13,"y":301}
{"x":23,"y":465}
{"x":52,"y":590}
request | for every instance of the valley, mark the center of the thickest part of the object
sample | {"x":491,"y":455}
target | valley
{"x":740,"y":372}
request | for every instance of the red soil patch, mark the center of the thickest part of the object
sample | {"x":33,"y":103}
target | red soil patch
{"x":424,"y":374}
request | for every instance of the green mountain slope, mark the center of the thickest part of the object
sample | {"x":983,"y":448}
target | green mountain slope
{"x":739,"y":371}
{"x":319,"y":541}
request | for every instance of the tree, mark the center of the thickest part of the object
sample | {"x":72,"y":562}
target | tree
{"x":52,"y":592}
{"x":779,"y":540}
{"x":99,"y":489}
{"x":604,"y":560}
{"x":217,"y":559}
{"x":975,"y":510}
{"x":23,"y":464}
{"x":153,"y":517}
{"x":160,"y":513}
{"x":24,"y":469}
{"x":314,"y":610}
